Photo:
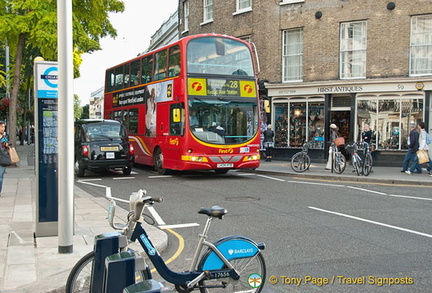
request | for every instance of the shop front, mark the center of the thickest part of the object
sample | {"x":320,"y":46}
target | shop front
{"x":303,"y":112}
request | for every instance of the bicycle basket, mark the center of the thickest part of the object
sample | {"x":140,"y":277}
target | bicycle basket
{"x":339,"y":141}
{"x":352,"y":148}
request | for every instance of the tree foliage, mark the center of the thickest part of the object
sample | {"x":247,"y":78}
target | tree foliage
{"x":28,"y":24}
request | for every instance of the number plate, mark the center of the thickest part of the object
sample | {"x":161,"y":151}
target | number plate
{"x":225,"y":165}
{"x":110,"y":155}
{"x":109,"y":149}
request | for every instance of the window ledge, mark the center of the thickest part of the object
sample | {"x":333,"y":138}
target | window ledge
{"x":286,"y":2}
{"x":185,"y":31}
{"x":249,"y":9}
{"x":206,"y":22}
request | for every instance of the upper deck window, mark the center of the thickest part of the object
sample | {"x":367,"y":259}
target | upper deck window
{"x":219,"y":56}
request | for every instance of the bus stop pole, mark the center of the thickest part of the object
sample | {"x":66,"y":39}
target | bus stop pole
{"x":65,"y":126}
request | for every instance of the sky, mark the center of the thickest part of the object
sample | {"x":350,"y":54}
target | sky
{"x":135,"y":26}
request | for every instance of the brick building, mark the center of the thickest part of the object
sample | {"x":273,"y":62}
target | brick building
{"x":349,"y":62}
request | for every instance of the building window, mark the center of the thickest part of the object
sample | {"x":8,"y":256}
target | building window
{"x":421,"y":45}
{"x":389,"y":119}
{"x":353,"y":50}
{"x":292,"y":55}
{"x":186,"y":16}
{"x":298,"y":122}
{"x":208,"y":11}
{"x":243,"y":6}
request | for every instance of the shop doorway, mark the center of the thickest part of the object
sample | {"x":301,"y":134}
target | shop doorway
{"x":342,"y":120}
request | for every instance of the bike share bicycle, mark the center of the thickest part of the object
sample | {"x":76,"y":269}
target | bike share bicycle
{"x":301,"y":161}
{"x":338,"y":160}
{"x":361,"y":166}
{"x":231,"y":264}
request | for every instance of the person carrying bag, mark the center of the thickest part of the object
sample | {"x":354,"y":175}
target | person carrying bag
{"x":5,"y":159}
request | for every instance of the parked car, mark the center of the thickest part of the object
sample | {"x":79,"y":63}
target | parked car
{"x":100,"y":145}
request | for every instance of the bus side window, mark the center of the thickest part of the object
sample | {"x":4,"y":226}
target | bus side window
{"x":135,"y":73}
{"x":110,"y":78}
{"x":147,"y":68}
{"x":126,"y":77}
{"x":119,"y":78}
{"x":160,"y":65}
{"x":174,"y":61}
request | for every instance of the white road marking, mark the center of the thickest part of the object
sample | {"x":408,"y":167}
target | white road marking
{"x":179,"y":226}
{"x":367,"y":190}
{"x":411,"y":197}
{"x":92,"y":184}
{"x":159,"y":176}
{"x":123,"y":178}
{"x":156,"y":216}
{"x":272,"y":178}
{"x":372,"y":222}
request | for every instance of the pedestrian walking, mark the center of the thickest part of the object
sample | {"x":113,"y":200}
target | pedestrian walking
{"x":411,"y":155}
{"x":268,"y":142}
{"x":4,"y":145}
{"x":423,"y":144}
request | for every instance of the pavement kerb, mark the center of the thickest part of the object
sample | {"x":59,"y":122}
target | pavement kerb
{"x":342,"y":178}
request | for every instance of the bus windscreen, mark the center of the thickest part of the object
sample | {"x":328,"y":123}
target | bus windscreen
{"x":221,"y":56}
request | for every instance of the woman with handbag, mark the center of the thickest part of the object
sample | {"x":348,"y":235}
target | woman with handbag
{"x":423,"y":146}
{"x":4,"y":145}
{"x":334,"y":133}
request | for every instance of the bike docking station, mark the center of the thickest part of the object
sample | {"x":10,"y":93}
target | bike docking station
{"x":113,"y":270}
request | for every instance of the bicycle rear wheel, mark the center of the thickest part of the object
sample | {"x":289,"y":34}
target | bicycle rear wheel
{"x":300,"y":162}
{"x":247,"y":268}
{"x":367,"y":165}
{"x":339,"y":163}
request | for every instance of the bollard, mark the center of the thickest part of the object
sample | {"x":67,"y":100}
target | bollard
{"x":105,"y":245}
{"x":120,"y":271}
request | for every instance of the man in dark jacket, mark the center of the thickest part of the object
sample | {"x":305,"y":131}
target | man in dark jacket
{"x":411,"y":155}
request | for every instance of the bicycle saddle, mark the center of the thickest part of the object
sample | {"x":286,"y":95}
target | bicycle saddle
{"x":214,"y":211}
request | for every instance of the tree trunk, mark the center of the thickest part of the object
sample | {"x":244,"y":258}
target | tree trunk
{"x":12,"y":125}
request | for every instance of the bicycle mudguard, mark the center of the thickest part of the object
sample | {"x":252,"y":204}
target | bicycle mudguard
{"x":231,"y":247}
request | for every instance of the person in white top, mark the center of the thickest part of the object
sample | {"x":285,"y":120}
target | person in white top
{"x":423,"y":145}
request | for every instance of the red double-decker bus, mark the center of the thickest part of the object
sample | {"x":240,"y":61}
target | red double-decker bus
{"x":190,"y":105}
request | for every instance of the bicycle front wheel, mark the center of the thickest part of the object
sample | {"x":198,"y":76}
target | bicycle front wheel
{"x":367,"y":165}
{"x":339,"y":163}
{"x":357,"y":166}
{"x":300,"y":162}
{"x":248,"y":268}
{"x":80,"y":276}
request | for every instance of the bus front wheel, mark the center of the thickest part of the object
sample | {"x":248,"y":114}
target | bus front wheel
{"x":158,"y":163}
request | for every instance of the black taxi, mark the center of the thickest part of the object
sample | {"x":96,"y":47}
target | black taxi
{"x":102,"y":144}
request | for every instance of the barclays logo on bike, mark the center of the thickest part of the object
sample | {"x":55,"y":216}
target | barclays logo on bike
{"x":240,"y":251}
{"x":148,"y":245}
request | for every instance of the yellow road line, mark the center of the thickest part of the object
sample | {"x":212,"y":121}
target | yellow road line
{"x":179,"y":249}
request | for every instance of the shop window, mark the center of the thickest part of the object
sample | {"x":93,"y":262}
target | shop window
{"x":299,"y":122}
{"x":389,"y":120}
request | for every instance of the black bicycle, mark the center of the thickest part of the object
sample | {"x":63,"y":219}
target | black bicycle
{"x":301,"y":161}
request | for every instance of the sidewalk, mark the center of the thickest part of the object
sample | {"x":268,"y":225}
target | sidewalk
{"x":29,"y":264}
{"x":388,"y":175}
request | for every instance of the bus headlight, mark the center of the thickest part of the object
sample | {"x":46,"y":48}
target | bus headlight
{"x":198,"y":159}
{"x":251,"y":158}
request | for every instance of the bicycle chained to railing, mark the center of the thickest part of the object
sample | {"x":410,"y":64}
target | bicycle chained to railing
{"x":231,"y":264}
{"x":338,"y":160}
{"x":301,"y":161}
{"x":361,"y":166}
